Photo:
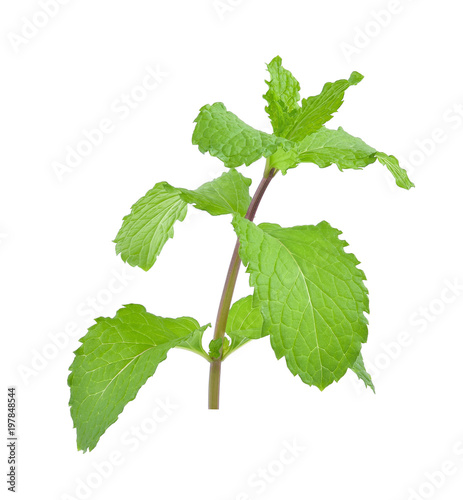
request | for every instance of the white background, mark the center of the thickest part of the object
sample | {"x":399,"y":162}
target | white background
{"x":56,"y":249}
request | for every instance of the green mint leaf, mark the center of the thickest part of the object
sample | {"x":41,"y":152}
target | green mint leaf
{"x":116,"y":358}
{"x":223,"y":135}
{"x":359,"y":369}
{"x":244,"y":320}
{"x":244,"y":324}
{"x":284,"y":160}
{"x":318,"y":110}
{"x":400,"y":175}
{"x":282,"y":97}
{"x":228,"y":194}
{"x":312,"y":296}
{"x":146,"y":229}
{"x":150,"y":224}
{"x":326,"y":147}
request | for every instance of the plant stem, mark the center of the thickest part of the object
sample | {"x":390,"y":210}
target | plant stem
{"x":227,"y":294}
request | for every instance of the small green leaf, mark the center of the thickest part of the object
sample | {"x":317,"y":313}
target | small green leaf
{"x":244,"y":324}
{"x":228,"y":194}
{"x":284,"y":160}
{"x":244,"y":320}
{"x":223,"y":135}
{"x":146,"y":229}
{"x":282,"y":97}
{"x":400,"y":175}
{"x":359,"y":369}
{"x":216,"y":347}
{"x":318,"y":110}
{"x":150,"y":224}
{"x":311,"y":294}
{"x":116,"y":358}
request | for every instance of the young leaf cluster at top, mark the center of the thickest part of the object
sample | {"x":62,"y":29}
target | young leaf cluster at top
{"x":308,"y":295}
{"x":299,"y":134}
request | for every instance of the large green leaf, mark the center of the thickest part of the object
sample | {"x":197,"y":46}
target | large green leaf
{"x":318,"y":110}
{"x":282,"y":97}
{"x":311,"y":294}
{"x":116,"y":358}
{"x":223,"y":135}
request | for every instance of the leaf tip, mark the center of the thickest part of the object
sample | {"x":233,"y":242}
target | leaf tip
{"x":276,"y":60}
{"x":355,"y":78}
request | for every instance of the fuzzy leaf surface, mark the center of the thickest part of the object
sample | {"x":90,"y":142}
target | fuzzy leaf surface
{"x":116,"y":358}
{"x":244,"y":320}
{"x":318,"y":110}
{"x":147,"y":228}
{"x":223,"y":135}
{"x":282,"y":97}
{"x":327,"y":147}
{"x":311,"y":295}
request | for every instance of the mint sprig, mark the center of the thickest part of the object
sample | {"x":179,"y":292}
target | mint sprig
{"x":308,"y":295}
